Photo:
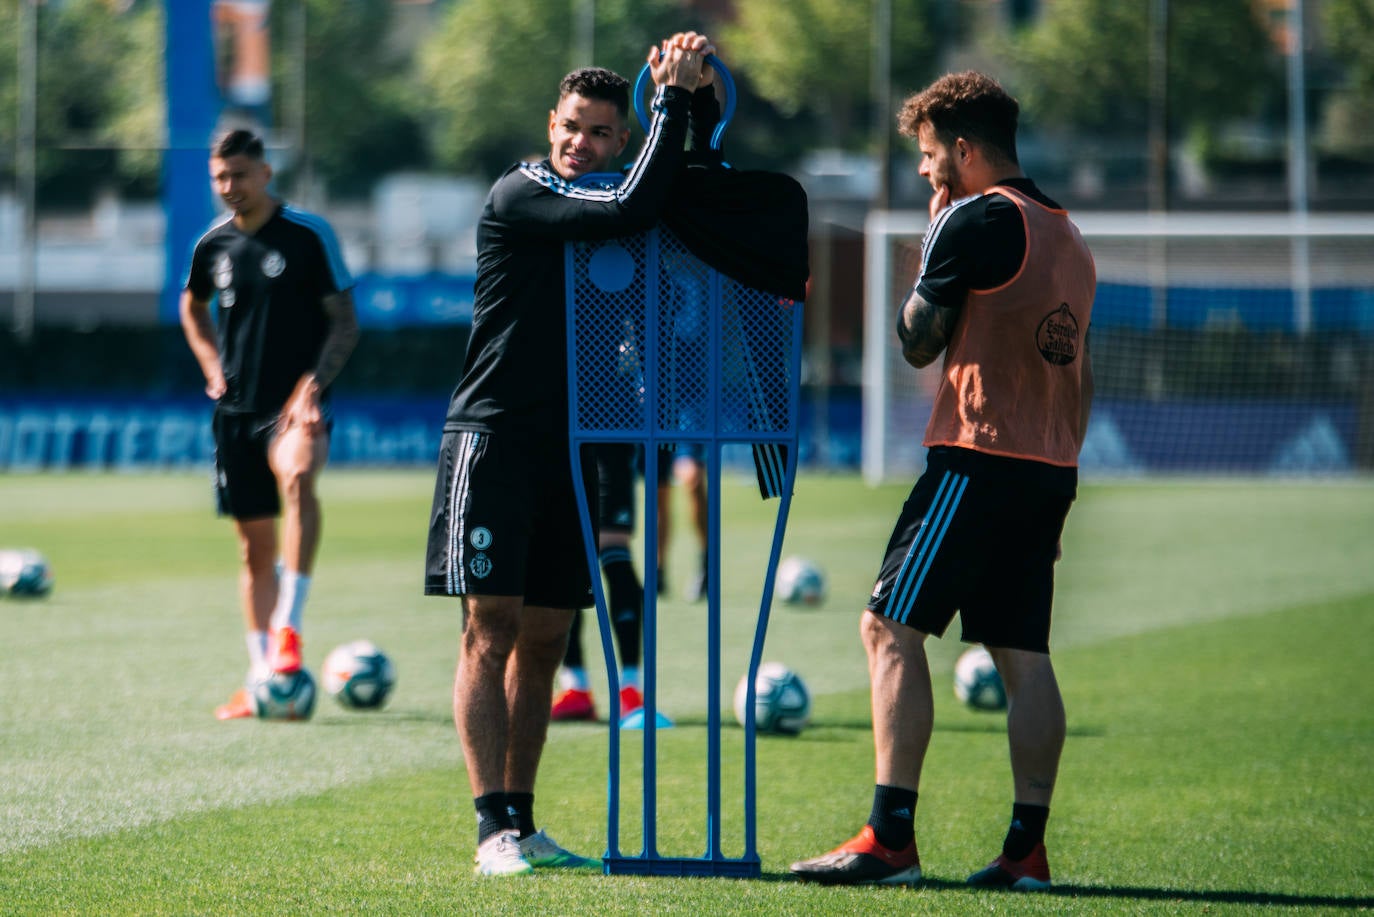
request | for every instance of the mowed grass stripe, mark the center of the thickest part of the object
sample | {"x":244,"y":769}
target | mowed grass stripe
{"x":1210,"y":768}
{"x":111,"y":680}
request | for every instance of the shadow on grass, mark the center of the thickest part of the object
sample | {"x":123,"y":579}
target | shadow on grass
{"x":993,"y":725}
{"x":1219,"y":896}
{"x":1141,"y":893}
{"x":367,"y":718}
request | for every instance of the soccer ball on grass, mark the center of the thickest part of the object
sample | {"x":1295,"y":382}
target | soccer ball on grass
{"x":782,"y":704}
{"x":977,"y":682}
{"x":285,"y":696}
{"x":359,"y":675}
{"x":24,"y":573}
{"x":800,"y":582}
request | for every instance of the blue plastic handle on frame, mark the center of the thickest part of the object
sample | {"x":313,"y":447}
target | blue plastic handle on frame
{"x":727,"y":83}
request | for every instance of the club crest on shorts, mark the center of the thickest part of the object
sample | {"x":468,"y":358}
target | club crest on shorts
{"x":480,"y":566}
{"x":1057,"y":336}
{"x":273,"y":264}
{"x":480,"y":538}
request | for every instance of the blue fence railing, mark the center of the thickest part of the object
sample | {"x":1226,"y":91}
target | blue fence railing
{"x":1127,"y":436}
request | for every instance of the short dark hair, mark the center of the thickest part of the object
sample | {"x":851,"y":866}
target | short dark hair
{"x":971,"y":105}
{"x":238,"y":142}
{"x":598,"y":83}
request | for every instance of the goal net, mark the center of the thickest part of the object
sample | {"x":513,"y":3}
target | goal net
{"x":1221,"y":343}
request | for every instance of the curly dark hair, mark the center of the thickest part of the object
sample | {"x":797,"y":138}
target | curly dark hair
{"x":971,"y":105}
{"x":598,"y":83}
{"x":237,"y":143}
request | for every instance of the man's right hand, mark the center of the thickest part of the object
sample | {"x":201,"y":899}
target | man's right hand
{"x":678,"y":61}
{"x":939,"y":200}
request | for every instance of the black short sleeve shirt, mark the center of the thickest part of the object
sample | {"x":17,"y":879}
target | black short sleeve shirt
{"x":269,"y":289}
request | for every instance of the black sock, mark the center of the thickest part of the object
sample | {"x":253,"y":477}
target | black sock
{"x":1027,"y":829}
{"x":625,"y":601}
{"x":893,"y":818}
{"x":521,"y":808}
{"x":492,"y":815}
{"x":572,"y":656}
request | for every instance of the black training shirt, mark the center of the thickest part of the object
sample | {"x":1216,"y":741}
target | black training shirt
{"x":515,"y":371}
{"x":975,"y":244}
{"x":270,"y":315}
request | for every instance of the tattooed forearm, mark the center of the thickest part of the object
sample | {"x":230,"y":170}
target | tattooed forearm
{"x":342,"y":337}
{"x":923,"y":329}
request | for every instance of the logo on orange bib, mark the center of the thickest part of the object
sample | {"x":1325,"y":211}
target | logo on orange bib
{"x":1057,"y":336}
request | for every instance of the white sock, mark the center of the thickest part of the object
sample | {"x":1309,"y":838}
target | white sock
{"x":291,"y":594}
{"x":630,"y":677}
{"x":258,"y":669}
{"x":571,"y":678}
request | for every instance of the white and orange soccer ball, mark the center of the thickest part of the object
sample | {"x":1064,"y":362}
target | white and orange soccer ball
{"x":977,"y":682}
{"x":800,"y":582}
{"x":359,"y":675}
{"x":285,"y":696}
{"x":24,"y":573}
{"x":782,"y":703}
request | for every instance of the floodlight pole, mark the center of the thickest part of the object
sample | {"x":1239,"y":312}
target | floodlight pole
{"x":1298,"y":169}
{"x":25,"y":293}
{"x":1159,"y":158}
{"x":881,"y":77}
{"x":584,"y":33}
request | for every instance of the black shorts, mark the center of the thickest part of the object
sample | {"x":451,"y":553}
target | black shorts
{"x":245,"y":487}
{"x":978,"y":535}
{"x":615,"y":474}
{"x":505,"y":521}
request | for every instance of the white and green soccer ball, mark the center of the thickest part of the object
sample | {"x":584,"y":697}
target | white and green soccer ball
{"x":285,"y":696}
{"x":800,"y":582}
{"x":782,"y":704}
{"x":24,"y":573}
{"x":359,"y":675}
{"x":977,"y":682}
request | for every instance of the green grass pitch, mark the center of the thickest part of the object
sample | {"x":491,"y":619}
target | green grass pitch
{"x":1214,"y":641}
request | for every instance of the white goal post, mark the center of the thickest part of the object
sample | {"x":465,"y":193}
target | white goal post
{"x":1223,"y":343}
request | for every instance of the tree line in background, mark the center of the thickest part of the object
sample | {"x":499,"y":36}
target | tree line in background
{"x":356,"y":97}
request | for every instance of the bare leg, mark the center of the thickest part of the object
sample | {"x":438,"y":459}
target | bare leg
{"x":297,"y":457}
{"x":481,"y":713}
{"x":1035,"y":722}
{"x":665,"y":529}
{"x":692,"y":473}
{"x":258,"y":570}
{"x":529,"y":676}
{"x":903,"y":708}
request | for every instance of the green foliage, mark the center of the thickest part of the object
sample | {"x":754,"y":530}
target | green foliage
{"x":814,"y":58}
{"x":9,"y":85}
{"x":1350,"y":25}
{"x":361,"y":110}
{"x":99,"y":89}
{"x":137,"y":122}
{"x":1085,"y":64}
{"x":491,"y":71}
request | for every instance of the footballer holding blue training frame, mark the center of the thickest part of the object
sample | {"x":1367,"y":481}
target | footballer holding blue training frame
{"x":504,"y":532}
